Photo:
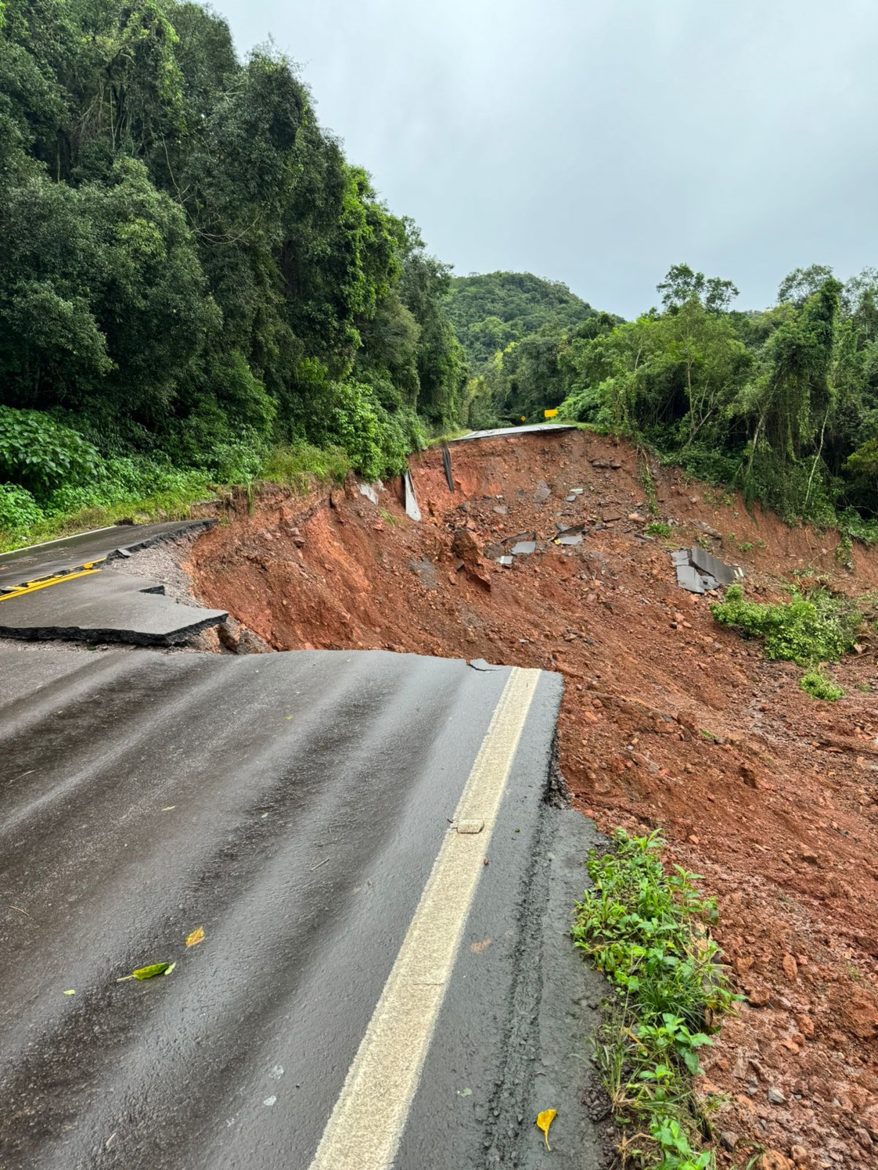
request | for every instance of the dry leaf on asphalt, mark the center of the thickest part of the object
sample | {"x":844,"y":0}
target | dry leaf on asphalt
{"x":544,"y":1122}
{"x":197,"y":936}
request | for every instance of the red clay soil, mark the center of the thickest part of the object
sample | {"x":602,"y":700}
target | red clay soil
{"x":668,"y":720}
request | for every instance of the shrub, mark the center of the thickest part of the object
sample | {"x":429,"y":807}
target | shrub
{"x":807,"y":629}
{"x":818,"y":686}
{"x":658,"y":528}
{"x":39,"y":453}
{"x":19,"y":511}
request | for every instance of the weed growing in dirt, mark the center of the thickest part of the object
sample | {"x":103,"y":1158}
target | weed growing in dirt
{"x":647,"y":480}
{"x":647,"y":930}
{"x":818,"y":686}
{"x":809,"y":629}
{"x":658,"y":528}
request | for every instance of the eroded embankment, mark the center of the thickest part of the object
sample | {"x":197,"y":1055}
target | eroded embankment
{"x":668,"y":720}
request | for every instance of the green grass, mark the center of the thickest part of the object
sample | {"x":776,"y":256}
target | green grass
{"x":110,"y":498}
{"x":647,"y":930}
{"x":299,"y":465}
{"x":658,"y":528}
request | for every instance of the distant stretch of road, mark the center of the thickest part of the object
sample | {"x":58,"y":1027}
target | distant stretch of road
{"x":385,"y":977}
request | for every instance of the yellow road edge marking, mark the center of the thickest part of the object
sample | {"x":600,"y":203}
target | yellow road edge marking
{"x":366,"y":1124}
{"x":33,"y":586}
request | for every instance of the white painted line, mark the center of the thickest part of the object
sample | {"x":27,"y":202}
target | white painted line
{"x":366,"y":1125}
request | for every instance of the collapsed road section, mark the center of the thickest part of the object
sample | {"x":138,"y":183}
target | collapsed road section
{"x":61,"y":592}
{"x":355,"y":868}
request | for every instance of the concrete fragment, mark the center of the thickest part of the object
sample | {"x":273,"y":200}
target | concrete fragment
{"x":368,"y":491}
{"x":524,"y":548}
{"x":708,"y":563}
{"x":569,"y":539}
{"x":506,"y":562}
{"x":689,"y":578}
{"x":411,"y":501}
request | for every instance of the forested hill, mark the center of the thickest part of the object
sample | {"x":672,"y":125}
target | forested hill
{"x":191,"y":272}
{"x":489,"y":311}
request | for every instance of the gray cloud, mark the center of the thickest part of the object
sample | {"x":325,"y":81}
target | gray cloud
{"x":598,"y":143}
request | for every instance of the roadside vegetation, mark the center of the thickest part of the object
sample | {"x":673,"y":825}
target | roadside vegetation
{"x":647,"y":929}
{"x":192,"y":275}
{"x":195,"y":283}
{"x":810,"y":629}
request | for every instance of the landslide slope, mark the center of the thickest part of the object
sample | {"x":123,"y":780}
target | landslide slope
{"x":668,"y":720}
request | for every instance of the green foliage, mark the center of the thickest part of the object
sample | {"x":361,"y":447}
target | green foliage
{"x":183,"y":248}
{"x":39,"y":453}
{"x":658,"y":528}
{"x":807,"y":629}
{"x":19,"y":511}
{"x":818,"y":686}
{"x":301,"y":463}
{"x":645,"y":929}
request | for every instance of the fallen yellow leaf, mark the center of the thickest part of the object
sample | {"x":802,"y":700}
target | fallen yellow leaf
{"x":197,"y":936}
{"x":544,"y":1122}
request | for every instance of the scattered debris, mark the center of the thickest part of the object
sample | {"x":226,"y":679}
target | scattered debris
{"x":569,"y":538}
{"x":699,"y":571}
{"x":524,"y":548}
{"x":506,"y":562}
{"x":542,"y":492}
{"x":411,"y":500}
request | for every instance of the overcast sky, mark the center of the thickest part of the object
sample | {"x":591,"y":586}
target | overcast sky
{"x":600,"y":141}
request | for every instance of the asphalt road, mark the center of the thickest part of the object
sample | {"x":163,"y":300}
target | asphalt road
{"x":385,"y":978}
{"x":510,"y":432}
{"x":72,"y":552}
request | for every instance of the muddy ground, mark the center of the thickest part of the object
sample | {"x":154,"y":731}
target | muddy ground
{"x":668,"y":721}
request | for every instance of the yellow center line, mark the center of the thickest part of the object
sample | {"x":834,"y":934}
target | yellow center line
{"x":364,"y":1130}
{"x":33,"y":586}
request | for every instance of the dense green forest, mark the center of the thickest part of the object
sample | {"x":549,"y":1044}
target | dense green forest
{"x":197,"y":289}
{"x":191,"y":273}
{"x":782,"y":403}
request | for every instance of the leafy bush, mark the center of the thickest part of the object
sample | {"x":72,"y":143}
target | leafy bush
{"x":807,"y":629}
{"x":39,"y":453}
{"x":376,"y":440}
{"x":818,"y":686}
{"x":645,"y":930}
{"x":658,"y":528}
{"x":19,"y":511}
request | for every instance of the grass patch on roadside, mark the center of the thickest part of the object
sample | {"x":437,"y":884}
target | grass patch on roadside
{"x":298,"y":465}
{"x":647,"y":930}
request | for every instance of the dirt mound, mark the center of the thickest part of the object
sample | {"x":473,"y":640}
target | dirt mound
{"x":668,"y":720}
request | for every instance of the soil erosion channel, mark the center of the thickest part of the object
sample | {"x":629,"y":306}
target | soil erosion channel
{"x":668,"y":719}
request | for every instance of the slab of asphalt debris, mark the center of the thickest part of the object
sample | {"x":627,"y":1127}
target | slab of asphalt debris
{"x":95,"y":606}
{"x":699,"y":571}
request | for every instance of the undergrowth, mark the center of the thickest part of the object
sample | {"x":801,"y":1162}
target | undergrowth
{"x":818,"y":686}
{"x":647,"y":930}
{"x":809,"y":629}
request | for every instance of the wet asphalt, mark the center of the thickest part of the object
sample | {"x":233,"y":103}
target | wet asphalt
{"x":292,"y":805}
